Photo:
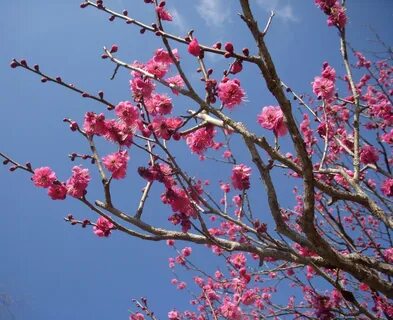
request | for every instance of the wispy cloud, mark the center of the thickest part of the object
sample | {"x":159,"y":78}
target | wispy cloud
{"x":282,"y":11}
{"x":178,"y":20}
{"x":214,"y":12}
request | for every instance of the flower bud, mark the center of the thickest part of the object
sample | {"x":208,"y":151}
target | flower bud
{"x":14,"y":64}
{"x":217,"y":45}
{"x":229,"y":47}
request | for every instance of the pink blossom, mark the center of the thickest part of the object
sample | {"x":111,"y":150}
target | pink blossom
{"x":249,"y":297}
{"x":173,"y":315}
{"x":164,"y":57}
{"x":171,"y":263}
{"x":57,"y":191}
{"x":182,"y":285}
{"x":43,"y":177}
{"x":159,"y":104}
{"x":180,"y":202}
{"x":236,"y":67}
{"x":230,"y":93}
{"x":337,"y":16}
{"x":388,"y":254}
{"x":241,"y":177}
{"x":238,"y":260}
{"x":186,"y":251}
{"x":163,"y":14}
{"x":77,"y":184}
{"x":272,"y":118}
{"x":308,"y":134}
{"x":103,"y":227}
{"x":119,"y":132}
{"x":368,"y":154}
{"x":388,"y":137}
{"x":328,"y":72}
{"x":310,"y":272}
{"x":116,"y":163}
{"x":323,"y":88}
{"x":362,"y":61}
{"x":160,"y":172}
{"x":128,"y":113}
{"x":157,"y":68}
{"x":170,"y":242}
{"x":231,"y":311}
{"x":237,"y":200}
{"x":199,"y":281}
{"x":175,"y":81}
{"x":364,"y":287}
{"x":200,"y":140}
{"x":290,"y":272}
{"x":164,"y":127}
{"x":227,"y":154}
{"x":137,"y":316}
{"x":387,"y":187}
{"x":225,"y":187}
{"x":194,"y":48}
{"x":325,"y":4}
{"x":210,"y":293}
{"x":141,"y":87}
{"x":94,"y":124}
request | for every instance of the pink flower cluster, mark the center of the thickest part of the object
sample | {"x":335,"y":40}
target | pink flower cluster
{"x":160,"y":172}
{"x":119,"y":130}
{"x":387,"y":187}
{"x":75,"y":186}
{"x":335,"y":12}
{"x":163,"y":13}
{"x":116,"y":163}
{"x":230,"y":93}
{"x":128,"y":113}
{"x":159,"y":104}
{"x":43,"y":177}
{"x":175,"y":81}
{"x":201,"y":140}
{"x":182,"y":201}
{"x":137,"y":316}
{"x":231,"y":311}
{"x":165,"y":127}
{"x":174,"y":315}
{"x":388,"y":255}
{"x":158,"y":66}
{"x":241,"y":177}
{"x":141,"y":87}
{"x":272,"y":118}
{"x":308,"y":134}
{"x":103,"y":227}
{"x":182,"y":205}
{"x":369,"y":154}
{"x":324,"y":86}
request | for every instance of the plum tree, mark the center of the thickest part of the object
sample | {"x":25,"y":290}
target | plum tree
{"x":332,"y":247}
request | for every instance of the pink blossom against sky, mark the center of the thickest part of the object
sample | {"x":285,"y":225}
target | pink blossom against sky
{"x":56,"y":271}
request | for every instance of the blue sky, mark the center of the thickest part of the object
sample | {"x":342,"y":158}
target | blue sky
{"x":54,"y":271}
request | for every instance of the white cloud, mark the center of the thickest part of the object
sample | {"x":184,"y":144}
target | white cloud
{"x":214,"y":12}
{"x":178,"y":20}
{"x":284,"y":12}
